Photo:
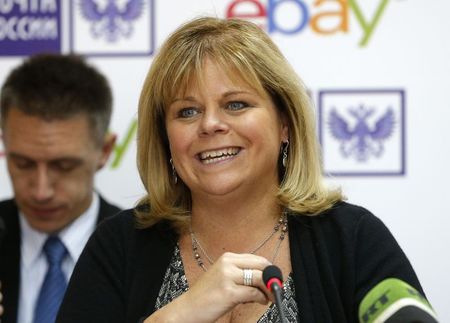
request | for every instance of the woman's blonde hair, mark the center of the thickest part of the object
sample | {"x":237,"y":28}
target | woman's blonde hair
{"x":241,"y":48}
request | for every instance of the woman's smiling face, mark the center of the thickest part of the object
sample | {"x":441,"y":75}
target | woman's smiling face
{"x":224,"y":135}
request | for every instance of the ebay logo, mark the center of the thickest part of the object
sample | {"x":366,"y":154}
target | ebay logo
{"x":323,"y":17}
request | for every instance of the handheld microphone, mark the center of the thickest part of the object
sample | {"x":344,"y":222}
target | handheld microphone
{"x":394,"y":301}
{"x":273,"y":279}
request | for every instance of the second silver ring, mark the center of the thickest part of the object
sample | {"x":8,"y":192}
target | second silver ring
{"x":248,"y":277}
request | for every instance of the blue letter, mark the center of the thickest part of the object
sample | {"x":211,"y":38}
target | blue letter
{"x":271,"y":14}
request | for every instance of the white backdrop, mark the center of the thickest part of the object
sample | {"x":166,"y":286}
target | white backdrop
{"x":404,"y":66}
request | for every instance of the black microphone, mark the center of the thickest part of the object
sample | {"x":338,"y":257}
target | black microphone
{"x":394,"y":301}
{"x":273,"y":279}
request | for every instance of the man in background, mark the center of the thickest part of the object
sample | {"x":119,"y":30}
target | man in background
{"x":55,"y":112}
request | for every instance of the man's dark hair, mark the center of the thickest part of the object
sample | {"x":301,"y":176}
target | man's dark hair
{"x":58,"y":87}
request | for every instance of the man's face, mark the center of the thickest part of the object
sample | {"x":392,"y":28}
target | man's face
{"x":52,"y":166}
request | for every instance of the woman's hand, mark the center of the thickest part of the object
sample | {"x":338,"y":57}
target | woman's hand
{"x":218,"y":291}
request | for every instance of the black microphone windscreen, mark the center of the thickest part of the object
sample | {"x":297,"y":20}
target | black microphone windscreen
{"x":270,"y":272}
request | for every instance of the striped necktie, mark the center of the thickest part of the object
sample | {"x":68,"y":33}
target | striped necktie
{"x":55,"y":283}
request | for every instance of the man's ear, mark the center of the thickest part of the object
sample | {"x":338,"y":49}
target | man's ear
{"x":107,"y":148}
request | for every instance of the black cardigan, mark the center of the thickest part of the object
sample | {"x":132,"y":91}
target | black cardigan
{"x":337,"y":257}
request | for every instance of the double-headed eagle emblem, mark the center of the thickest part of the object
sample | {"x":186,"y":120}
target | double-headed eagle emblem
{"x":361,"y":140}
{"x":110,"y":19}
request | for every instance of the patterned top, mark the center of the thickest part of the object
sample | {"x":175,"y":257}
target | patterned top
{"x":175,"y":284}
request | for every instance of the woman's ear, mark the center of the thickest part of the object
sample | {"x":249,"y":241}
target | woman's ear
{"x":284,"y":128}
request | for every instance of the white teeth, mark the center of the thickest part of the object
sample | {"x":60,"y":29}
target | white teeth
{"x":209,"y":161}
{"x":218,"y":155}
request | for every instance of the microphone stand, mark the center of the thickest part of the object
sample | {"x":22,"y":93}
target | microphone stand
{"x":277,"y":292}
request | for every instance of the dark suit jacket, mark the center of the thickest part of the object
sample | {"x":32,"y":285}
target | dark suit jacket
{"x":10,"y":255}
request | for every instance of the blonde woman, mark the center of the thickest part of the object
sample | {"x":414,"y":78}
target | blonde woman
{"x":228,"y":154}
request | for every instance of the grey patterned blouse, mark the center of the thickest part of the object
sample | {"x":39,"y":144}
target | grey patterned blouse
{"x":175,"y":284}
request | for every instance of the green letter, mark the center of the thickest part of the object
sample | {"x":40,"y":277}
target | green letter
{"x":120,"y":149}
{"x":367,"y":27}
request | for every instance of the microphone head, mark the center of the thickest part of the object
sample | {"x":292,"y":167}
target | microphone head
{"x":394,"y":301}
{"x":271,"y":272}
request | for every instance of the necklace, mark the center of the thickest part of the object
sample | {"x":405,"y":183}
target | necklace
{"x":196,"y":245}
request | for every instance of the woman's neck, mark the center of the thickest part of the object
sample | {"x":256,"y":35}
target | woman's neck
{"x":235,"y":226}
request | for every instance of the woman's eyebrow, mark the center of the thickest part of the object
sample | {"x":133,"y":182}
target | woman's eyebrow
{"x":188,"y":98}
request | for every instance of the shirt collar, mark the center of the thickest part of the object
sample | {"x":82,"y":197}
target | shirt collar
{"x":73,"y":236}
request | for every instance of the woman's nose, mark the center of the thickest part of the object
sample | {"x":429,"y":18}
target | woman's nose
{"x":213,"y":121}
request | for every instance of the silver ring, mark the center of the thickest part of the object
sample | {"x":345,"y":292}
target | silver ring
{"x":248,"y":277}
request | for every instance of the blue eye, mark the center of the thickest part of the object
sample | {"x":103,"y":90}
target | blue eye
{"x":187,"y":112}
{"x":235,"y":106}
